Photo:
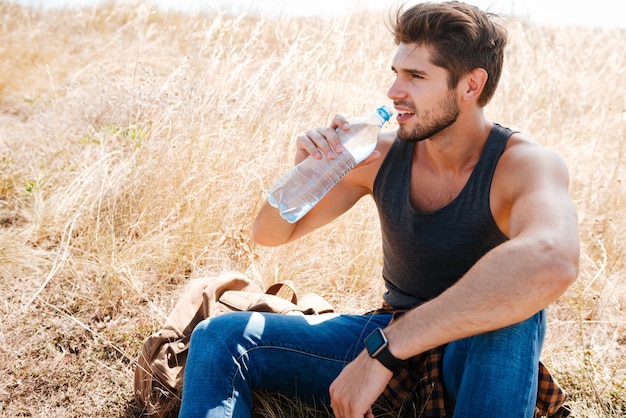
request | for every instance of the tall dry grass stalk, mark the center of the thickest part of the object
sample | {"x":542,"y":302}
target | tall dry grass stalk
{"x":136,"y":146}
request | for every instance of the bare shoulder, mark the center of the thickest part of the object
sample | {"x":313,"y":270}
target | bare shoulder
{"x":525,"y":162}
{"x":533,"y":179}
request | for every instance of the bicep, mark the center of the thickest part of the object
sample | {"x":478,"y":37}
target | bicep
{"x":541,"y":205}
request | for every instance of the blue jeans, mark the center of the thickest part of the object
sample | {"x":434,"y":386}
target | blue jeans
{"x":492,"y":374}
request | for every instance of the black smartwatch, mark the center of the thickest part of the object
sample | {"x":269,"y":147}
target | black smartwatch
{"x":378,"y":348}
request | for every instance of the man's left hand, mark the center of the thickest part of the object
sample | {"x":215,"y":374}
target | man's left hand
{"x":358,"y":386}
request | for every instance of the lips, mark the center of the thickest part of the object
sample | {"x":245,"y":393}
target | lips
{"x":405,"y":110}
{"x":404,"y":116}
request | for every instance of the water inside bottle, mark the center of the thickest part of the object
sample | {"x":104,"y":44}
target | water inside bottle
{"x":358,"y":140}
{"x":294,"y":203}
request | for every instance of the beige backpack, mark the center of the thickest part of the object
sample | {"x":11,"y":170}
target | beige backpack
{"x":161,"y":363}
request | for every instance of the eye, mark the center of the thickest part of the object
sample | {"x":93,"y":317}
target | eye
{"x":418,"y":76}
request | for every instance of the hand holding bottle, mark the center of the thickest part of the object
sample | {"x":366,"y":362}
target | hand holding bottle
{"x":323,"y":142}
{"x":324,"y":156}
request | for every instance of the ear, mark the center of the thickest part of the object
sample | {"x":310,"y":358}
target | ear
{"x":473,"y":84}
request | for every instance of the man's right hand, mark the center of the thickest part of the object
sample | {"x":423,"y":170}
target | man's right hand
{"x":322,"y":142}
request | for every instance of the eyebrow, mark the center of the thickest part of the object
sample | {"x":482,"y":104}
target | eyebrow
{"x":409,"y":71}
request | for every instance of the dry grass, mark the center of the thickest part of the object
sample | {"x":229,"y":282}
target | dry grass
{"x":135,"y":147}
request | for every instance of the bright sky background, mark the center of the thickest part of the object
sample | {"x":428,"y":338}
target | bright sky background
{"x":597,"y":13}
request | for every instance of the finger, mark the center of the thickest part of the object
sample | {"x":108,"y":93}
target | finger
{"x":331,"y":144}
{"x":322,"y":140}
{"x":341,"y":408}
{"x":335,"y":403}
{"x":305,"y":147}
{"x":340,"y":125}
{"x":340,"y":121}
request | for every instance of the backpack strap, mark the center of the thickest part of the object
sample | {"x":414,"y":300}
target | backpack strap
{"x":315,"y":303}
{"x":287,"y":285}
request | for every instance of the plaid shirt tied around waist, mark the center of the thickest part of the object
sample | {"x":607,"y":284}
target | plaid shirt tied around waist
{"x":417,"y":390}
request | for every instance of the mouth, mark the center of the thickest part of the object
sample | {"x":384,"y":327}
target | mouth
{"x":403,"y":116}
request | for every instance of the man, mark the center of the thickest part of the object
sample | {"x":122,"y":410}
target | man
{"x":479,"y":236}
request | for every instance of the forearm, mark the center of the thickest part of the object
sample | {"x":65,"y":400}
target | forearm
{"x":269,"y":228}
{"x":508,"y":285}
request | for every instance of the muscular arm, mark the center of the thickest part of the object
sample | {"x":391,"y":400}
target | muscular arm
{"x":509,"y":284}
{"x":271,"y":229}
{"x":516,"y":279}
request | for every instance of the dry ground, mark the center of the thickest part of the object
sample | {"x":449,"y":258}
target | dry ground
{"x":136,"y":145}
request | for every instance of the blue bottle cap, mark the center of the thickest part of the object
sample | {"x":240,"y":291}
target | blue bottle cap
{"x":384,"y":112}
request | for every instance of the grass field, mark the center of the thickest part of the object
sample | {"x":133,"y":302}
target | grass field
{"x":136,"y":146}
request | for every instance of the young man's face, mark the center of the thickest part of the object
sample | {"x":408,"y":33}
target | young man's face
{"x":421,"y":96}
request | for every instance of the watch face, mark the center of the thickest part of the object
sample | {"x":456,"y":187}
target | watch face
{"x":375,"y":342}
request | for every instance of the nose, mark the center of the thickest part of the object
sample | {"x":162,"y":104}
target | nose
{"x":395,"y":91}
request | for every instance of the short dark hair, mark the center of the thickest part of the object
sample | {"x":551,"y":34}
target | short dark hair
{"x":461,"y":38}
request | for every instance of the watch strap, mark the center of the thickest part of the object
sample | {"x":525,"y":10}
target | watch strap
{"x":390,"y":361}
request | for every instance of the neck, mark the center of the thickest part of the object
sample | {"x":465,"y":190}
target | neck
{"x":458,"y":147}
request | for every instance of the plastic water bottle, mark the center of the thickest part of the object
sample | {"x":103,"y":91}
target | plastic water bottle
{"x":295,"y":193}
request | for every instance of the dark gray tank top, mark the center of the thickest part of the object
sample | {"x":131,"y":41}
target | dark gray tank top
{"x":425,"y":253}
